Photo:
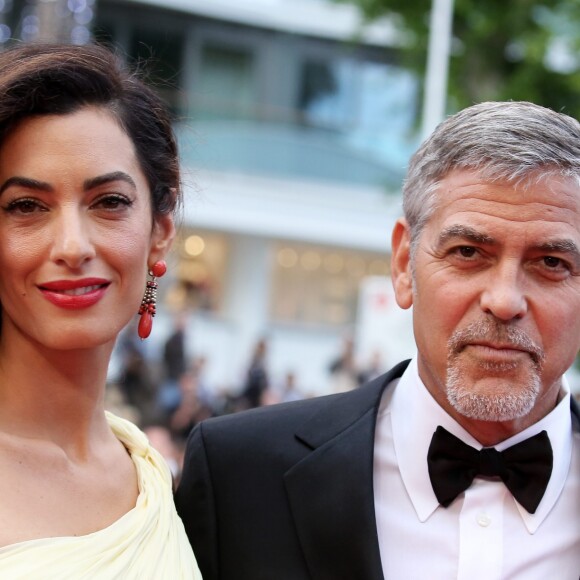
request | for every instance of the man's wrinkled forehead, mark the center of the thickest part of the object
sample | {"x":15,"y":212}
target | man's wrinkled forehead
{"x":553,"y":180}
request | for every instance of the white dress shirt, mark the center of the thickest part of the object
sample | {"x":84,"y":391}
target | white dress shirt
{"x":484,"y":534}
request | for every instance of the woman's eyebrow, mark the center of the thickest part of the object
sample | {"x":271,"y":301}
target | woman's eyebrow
{"x":35,"y":184}
{"x":27,"y":183}
{"x":107,"y":178}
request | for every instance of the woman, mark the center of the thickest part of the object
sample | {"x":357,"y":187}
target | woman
{"x":89,"y":180}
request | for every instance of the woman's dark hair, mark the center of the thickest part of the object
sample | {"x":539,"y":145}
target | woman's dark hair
{"x":49,"y":79}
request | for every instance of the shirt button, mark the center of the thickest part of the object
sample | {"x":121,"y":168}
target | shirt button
{"x":483,"y":520}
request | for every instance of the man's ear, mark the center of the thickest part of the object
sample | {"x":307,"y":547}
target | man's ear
{"x":401,"y":264}
{"x":161,"y":238}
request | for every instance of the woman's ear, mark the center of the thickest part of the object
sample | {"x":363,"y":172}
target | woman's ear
{"x":161,"y":238}
{"x":401,"y":264}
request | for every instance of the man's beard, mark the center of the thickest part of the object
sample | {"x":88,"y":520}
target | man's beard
{"x":511,"y":399}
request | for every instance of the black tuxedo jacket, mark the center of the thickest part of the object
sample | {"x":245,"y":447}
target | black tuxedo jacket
{"x":286,"y":492}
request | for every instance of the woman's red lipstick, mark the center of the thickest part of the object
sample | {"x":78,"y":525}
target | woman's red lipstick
{"x":74,"y":294}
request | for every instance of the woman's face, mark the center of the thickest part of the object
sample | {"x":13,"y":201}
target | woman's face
{"x":76,"y":230}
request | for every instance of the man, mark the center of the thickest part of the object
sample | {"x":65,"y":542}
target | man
{"x":388,"y":481}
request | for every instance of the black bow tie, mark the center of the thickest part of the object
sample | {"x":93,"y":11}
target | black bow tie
{"x":525,"y":468}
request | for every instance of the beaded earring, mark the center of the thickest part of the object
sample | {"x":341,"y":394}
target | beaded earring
{"x":147,"y":308}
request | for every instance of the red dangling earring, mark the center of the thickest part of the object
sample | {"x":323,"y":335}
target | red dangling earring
{"x":147,"y":308}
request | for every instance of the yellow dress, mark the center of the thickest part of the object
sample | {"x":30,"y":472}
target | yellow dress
{"x":149,"y":542}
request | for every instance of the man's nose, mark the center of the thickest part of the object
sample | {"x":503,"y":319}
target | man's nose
{"x":72,"y":243}
{"x":503,"y":295}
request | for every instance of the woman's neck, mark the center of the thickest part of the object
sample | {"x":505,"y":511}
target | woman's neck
{"x":55,"y":395}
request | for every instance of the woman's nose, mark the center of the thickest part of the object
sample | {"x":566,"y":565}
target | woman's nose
{"x":71,"y":239}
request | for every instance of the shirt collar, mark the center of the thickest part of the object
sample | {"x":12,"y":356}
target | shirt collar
{"x":415,"y":415}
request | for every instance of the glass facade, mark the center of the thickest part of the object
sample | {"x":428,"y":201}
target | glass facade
{"x":226,"y":87}
{"x":163,"y":54}
{"x":369,"y":106}
{"x":266,"y":102}
{"x":343,"y":119}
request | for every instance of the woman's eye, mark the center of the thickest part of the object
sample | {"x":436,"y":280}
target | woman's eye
{"x":112,"y":202}
{"x":22,"y":206}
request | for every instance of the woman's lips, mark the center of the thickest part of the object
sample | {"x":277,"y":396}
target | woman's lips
{"x":74,"y":294}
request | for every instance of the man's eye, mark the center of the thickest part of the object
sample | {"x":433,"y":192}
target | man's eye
{"x":466,"y":251}
{"x":552,"y":262}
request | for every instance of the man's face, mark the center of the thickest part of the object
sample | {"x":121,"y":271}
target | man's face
{"x":495,"y":291}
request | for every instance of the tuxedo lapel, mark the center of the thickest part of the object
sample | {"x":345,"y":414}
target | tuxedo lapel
{"x":331,"y":490}
{"x":575,"y":413}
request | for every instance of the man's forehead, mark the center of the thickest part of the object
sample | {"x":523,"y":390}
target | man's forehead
{"x":467,"y":191}
{"x":548,"y":179}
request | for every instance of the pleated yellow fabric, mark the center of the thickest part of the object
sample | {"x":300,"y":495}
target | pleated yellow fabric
{"x":149,"y":542}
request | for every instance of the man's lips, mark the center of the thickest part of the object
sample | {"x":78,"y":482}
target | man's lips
{"x":496,"y":352}
{"x":498,"y":347}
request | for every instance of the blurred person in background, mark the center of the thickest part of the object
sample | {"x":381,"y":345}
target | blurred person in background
{"x":464,"y":462}
{"x":290,"y":391}
{"x":174,"y":366}
{"x":135,"y":377}
{"x":372,"y":369}
{"x":191,"y":409}
{"x":343,"y":374}
{"x":257,"y":380}
{"x":89,"y":180}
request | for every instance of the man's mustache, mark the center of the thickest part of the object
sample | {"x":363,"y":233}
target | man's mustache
{"x":494,"y":332}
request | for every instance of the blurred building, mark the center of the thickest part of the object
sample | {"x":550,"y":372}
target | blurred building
{"x":294,"y":139}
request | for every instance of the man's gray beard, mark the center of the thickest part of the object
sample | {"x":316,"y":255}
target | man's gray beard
{"x":509,"y":403}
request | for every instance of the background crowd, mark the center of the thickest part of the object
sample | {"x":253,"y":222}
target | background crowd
{"x":169,"y":394}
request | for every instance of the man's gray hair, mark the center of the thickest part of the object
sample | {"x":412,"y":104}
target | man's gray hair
{"x":514,"y":142}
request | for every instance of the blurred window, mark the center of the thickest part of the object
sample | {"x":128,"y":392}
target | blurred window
{"x":161,"y":53}
{"x":201,"y":260}
{"x":372,"y":105}
{"x":225,"y":88}
{"x":315,"y":285}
